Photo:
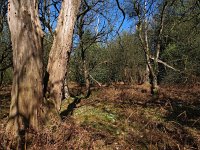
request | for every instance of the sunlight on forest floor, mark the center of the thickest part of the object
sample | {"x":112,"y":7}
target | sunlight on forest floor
{"x":126,"y":117}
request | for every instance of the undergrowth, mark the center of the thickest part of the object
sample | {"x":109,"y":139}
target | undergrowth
{"x":124,"y":117}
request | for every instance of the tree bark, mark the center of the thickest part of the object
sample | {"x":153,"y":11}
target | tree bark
{"x":26,"y":37}
{"x":87,"y":79}
{"x":152,"y":67}
{"x":66,"y":93}
{"x":58,"y":57}
{"x":152,"y":74}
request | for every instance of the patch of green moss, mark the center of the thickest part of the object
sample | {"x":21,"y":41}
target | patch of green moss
{"x":97,"y":118}
{"x":91,"y":113}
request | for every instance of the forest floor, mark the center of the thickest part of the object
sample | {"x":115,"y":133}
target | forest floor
{"x":122,"y":117}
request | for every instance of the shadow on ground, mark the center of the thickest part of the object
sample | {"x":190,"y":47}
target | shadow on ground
{"x":70,"y":108}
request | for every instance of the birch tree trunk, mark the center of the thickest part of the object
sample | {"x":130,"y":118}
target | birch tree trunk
{"x":152,"y":74}
{"x":26,"y":36}
{"x":143,"y":35}
{"x":58,"y":58}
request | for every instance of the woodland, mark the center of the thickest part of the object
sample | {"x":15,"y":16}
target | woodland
{"x":100,"y":74}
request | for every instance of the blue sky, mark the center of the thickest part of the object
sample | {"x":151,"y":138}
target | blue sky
{"x":128,"y":23}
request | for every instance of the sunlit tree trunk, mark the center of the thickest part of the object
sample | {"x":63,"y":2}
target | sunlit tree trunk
{"x":66,"y":93}
{"x":152,"y":69}
{"x":152,"y":74}
{"x":143,"y":35}
{"x":58,"y":58}
{"x":26,"y":36}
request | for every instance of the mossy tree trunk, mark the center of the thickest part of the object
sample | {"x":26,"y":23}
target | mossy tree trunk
{"x":26,"y":37}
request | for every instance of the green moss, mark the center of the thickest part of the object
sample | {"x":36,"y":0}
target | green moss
{"x":96,"y":118}
{"x":91,"y":113}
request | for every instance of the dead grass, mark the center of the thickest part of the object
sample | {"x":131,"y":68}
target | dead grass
{"x":123,"y":117}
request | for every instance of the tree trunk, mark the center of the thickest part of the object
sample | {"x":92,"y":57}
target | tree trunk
{"x":146,"y":74}
{"x":26,"y":37}
{"x":58,"y":57}
{"x":66,"y":93}
{"x":152,"y":73}
{"x":85,"y":69}
{"x":80,"y":26}
{"x":87,"y":79}
{"x":143,"y":27}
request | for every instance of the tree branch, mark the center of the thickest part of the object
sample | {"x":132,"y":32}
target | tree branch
{"x":124,"y":15}
{"x":165,"y":64}
{"x":95,"y":80}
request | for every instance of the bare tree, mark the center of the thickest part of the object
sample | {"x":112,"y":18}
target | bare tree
{"x":143,"y":11}
{"x":86,"y":19}
{"x":95,"y":23}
